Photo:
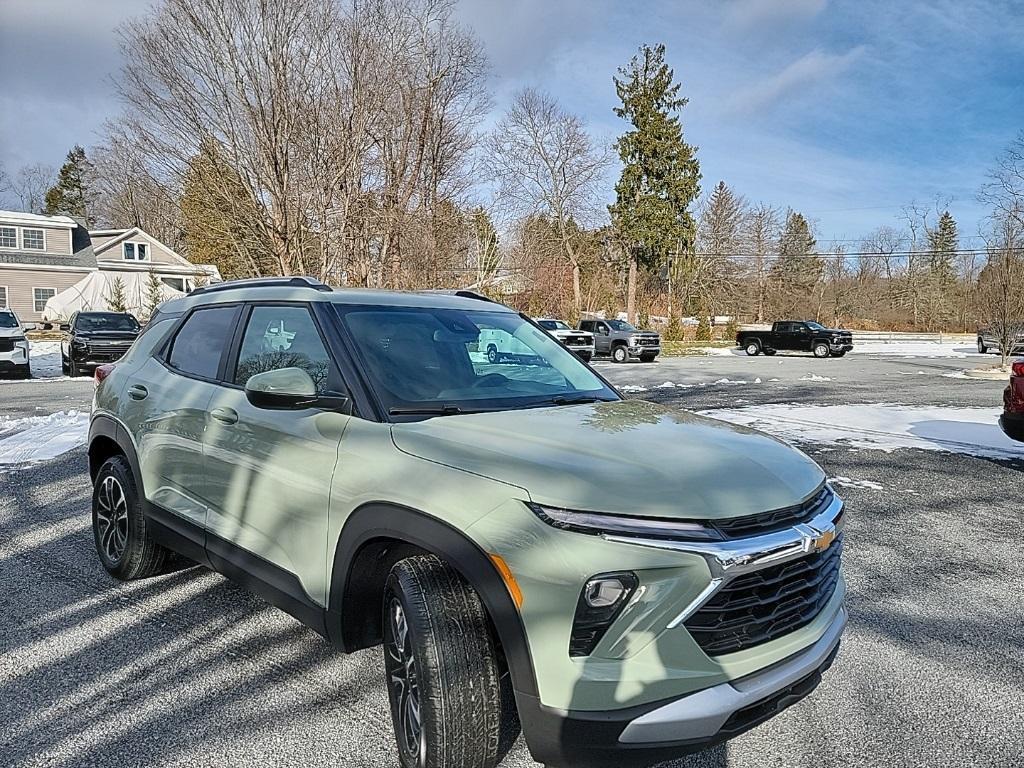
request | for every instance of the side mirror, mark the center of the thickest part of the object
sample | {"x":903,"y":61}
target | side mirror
{"x":65,"y":327}
{"x":289,"y":389}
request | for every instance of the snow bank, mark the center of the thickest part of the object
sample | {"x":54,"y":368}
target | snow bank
{"x":38,"y":438}
{"x":883,"y":427}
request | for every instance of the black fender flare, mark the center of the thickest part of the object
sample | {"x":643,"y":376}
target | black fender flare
{"x":103,"y":426}
{"x":379,"y":520}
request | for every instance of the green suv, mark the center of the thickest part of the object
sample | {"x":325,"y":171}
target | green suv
{"x":629,"y":581}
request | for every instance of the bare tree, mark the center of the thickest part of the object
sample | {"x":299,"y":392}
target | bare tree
{"x":762,"y":241}
{"x":545,"y":162}
{"x":1001,"y":283}
{"x":26,"y":190}
{"x":1004,"y":190}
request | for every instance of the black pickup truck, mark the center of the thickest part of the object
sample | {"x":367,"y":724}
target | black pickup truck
{"x":798,"y":336}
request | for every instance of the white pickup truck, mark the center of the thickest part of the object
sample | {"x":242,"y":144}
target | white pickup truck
{"x":579,"y":342}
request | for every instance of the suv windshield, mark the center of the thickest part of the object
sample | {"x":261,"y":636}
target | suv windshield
{"x":553,"y":325}
{"x":430,"y":360}
{"x":7,"y":320}
{"x":106,"y":321}
{"x":621,"y":325}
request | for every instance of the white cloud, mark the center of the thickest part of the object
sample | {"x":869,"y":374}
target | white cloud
{"x":815,"y":67}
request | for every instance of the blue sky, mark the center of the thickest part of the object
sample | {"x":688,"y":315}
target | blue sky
{"x":843,"y":110}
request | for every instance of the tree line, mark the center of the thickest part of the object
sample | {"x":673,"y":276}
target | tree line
{"x":344,"y":140}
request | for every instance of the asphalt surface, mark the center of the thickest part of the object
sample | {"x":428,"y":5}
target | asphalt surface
{"x":186,"y":669}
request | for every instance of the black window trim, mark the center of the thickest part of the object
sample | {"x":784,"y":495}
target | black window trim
{"x":163,"y":354}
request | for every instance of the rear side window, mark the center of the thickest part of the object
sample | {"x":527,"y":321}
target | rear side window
{"x":197,"y":348}
{"x":282,"y":337}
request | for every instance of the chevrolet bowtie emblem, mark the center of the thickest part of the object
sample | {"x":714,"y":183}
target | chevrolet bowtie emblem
{"x":823,"y":541}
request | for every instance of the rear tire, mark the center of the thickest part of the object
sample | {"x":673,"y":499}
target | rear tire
{"x":492,"y":353}
{"x":119,"y":525}
{"x":769,"y":352}
{"x":753,"y":348}
{"x":620,"y":354}
{"x":442,"y":668}
{"x":821,"y":350}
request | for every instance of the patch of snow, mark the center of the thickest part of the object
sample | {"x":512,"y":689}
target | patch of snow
{"x":666,"y":385}
{"x":720,"y":351}
{"x":882,"y":427}
{"x":632,"y":388}
{"x":814,"y":377}
{"x":773,"y":379}
{"x":959,"y":375}
{"x":846,"y":482}
{"x":38,"y":438}
{"x":757,"y":380}
{"x":898,"y":348}
{"x":726,"y":381}
{"x":913,"y":373}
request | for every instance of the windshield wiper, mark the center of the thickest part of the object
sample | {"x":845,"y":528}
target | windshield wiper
{"x":446,"y":409}
{"x":581,"y":400}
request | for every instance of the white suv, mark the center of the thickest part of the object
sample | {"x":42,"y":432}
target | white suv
{"x":13,"y":344}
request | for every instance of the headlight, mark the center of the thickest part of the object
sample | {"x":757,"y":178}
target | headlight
{"x":21,"y":342}
{"x":597,"y":523}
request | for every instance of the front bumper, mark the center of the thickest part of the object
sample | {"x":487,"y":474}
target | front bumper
{"x":91,"y":356}
{"x":643,"y":350}
{"x":583,"y":350}
{"x":664,"y":730}
{"x":15,"y":358}
{"x":840,"y":347}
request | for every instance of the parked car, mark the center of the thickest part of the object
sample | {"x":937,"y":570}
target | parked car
{"x":799,"y":336}
{"x":579,"y":342}
{"x":622,"y":340}
{"x":989,"y":341}
{"x":14,"y":346}
{"x":376,"y":478}
{"x":1012,"y":420}
{"x":89,"y":339}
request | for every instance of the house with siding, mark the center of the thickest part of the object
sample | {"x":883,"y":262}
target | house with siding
{"x":41,"y":256}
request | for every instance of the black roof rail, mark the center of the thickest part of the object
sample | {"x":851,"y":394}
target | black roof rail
{"x":462,"y":293}
{"x":264,"y":282}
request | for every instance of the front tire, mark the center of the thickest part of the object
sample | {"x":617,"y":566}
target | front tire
{"x":821,"y":350}
{"x":982,"y":349}
{"x":26,"y":371}
{"x":620,"y":354}
{"x":119,"y":525}
{"x":64,"y":365}
{"x":768,"y":352}
{"x":442,"y":668}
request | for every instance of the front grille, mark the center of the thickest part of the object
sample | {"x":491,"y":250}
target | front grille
{"x":576,"y":340}
{"x":758,"y":607}
{"x":107,"y":350}
{"x":776,"y":519}
{"x":6,"y":345}
{"x":647,"y":342}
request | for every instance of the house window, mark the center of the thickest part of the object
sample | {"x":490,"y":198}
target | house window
{"x":3,"y":296}
{"x":40,"y":296}
{"x":8,"y":237}
{"x":136,"y":251}
{"x":33,"y":239}
{"x":177,"y":283}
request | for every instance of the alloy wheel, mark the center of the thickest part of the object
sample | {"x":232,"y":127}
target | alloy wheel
{"x":404,"y":681}
{"x":112,"y":518}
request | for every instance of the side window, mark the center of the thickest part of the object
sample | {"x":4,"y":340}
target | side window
{"x":587,"y":325}
{"x":197,"y":348}
{"x":282,"y":337}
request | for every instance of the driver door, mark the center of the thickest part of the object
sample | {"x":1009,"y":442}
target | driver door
{"x":602,"y":338}
{"x":269,"y":472}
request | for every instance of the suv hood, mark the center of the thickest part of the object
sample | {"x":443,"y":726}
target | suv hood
{"x":629,"y":457}
{"x":7,"y":333}
{"x":562,"y":333}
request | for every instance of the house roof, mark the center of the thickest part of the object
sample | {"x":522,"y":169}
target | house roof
{"x":20,"y":217}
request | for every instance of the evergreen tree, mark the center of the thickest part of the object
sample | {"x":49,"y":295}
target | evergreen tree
{"x":154,"y":294}
{"x":943,"y":242}
{"x":796,"y":271}
{"x":70,"y":195}
{"x":703,"y":328}
{"x":117,"y":301}
{"x":660,"y":173}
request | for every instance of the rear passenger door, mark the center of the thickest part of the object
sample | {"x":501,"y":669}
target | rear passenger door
{"x":268,"y":472}
{"x":166,"y":401}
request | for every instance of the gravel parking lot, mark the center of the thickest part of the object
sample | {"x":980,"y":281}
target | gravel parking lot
{"x":187,"y":669}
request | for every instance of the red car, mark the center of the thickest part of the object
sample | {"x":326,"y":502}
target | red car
{"x":1012,"y":420}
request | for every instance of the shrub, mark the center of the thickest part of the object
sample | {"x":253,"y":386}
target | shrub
{"x":703,"y":329}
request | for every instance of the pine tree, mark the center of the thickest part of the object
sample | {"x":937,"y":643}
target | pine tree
{"x":708,"y":275}
{"x":117,"y":301}
{"x":70,"y":195}
{"x":154,"y":294}
{"x":943,"y":242}
{"x":703,"y":328}
{"x":660,"y":175}
{"x":796,"y":271}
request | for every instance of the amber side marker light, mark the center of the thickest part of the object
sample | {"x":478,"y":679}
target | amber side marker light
{"x":509,"y":579}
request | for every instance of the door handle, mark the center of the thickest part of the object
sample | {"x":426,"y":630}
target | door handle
{"x":225,"y":415}
{"x":137,"y":392}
